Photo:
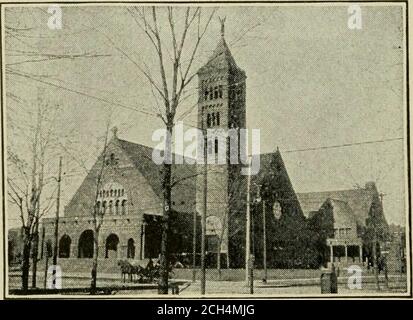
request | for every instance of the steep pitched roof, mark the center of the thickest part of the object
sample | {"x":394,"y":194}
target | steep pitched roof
{"x":142,"y":158}
{"x":221,"y":58}
{"x":273,"y":172}
{"x":359,"y":200}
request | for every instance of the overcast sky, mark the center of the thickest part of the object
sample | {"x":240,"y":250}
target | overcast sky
{"x":312,"y":82}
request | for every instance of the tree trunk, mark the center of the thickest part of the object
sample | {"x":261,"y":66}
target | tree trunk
{"x":167,"y":173}
{"x":35,"y":259}
{"x":95,"y":263}
{"x":26,"y":262}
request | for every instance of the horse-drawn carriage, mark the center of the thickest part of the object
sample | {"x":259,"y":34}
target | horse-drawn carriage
{"x":134,"y":272}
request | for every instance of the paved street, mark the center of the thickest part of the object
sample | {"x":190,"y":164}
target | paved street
{"x":279,"y":287}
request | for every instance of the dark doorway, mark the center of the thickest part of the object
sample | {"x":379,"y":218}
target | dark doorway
{"x":153,"y":238}
{"x":131,"y":249}
{"x":49,"y":248}
{"x":64,"y":246}
{"x":86,"y":244}
{"x":112,"y":242}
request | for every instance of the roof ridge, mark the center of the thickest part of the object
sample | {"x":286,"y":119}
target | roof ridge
{"x":153,"y":148}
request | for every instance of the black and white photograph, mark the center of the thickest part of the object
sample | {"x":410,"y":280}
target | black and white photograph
{"x":195,"y":149}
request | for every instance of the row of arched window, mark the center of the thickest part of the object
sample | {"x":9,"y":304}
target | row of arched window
{"x":212,"y":79}
{"x":213,"y":119}
{"x":213,"y":93}
{"x":112,"y":207}
{"x":86,"y":244}
{"x":236,"y":94}
{"x":111,"y":193}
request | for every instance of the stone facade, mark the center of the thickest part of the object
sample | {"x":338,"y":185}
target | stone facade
{"x":129,"y":192}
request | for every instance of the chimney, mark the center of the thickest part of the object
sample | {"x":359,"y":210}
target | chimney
{"x":371,"y":185}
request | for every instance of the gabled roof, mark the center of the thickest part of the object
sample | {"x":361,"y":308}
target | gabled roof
{"x":342,"y":212}
{"x":359,"y":200}
{"x":141,"y":156}
{"x":273,"y":174}
{"x":221,"y":58}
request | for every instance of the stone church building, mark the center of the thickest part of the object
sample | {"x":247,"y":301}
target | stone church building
{"x":130,"y":196}
{"x":131,"y":193}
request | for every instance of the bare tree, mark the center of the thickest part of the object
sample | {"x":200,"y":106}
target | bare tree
{"x":171,"y":88}
{"x":98,"y":212}
{"x":27,"y":180}
{"x":98,"y":172}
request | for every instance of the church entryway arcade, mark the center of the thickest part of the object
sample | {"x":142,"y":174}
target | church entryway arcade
{"x":86,"y":244}
{"x":64,"y":246}
{"x":112,"y":242}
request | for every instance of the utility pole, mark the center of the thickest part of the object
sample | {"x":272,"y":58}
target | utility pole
{"x":258,"y":200}
{"x":194,"y":248}
{"x":56,"y":228}
{"x":264,"y":241}
{"x":248,"y":228}
{"x":384,"y":257}
{"x":204,"y":213}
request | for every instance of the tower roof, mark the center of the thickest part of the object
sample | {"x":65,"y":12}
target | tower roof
{"x":221,"y":58}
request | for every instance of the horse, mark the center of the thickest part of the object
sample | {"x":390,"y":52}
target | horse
{"x":125,"y":268}
{"x":138,"y":270}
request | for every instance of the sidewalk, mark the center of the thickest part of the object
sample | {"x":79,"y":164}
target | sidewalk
{"x":306,"y":286}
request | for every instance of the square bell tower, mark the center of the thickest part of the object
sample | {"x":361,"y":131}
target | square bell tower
{"x":222,"y":106}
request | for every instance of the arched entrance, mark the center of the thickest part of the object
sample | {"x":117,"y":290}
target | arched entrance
{"x":131,"y":249}
{"x":64,"y":246}
{"x":112,"y":242}
{"x":86,"y":244}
